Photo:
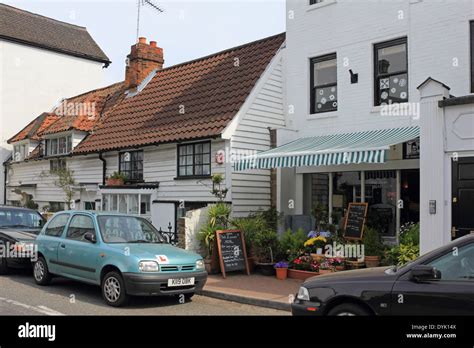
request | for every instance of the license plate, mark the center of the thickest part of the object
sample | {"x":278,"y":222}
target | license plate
{"x":181,"y":281}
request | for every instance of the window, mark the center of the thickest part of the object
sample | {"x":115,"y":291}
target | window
{"x":56,"y":226}
{"x":312,"y":2}
{"x":59,"y":146}
{"x":131,"y":164}
{"x":324,"y":84}
{"x":457,"y":267}
{"x":472,"y":56}
{"x":57,"y":164}
{"x":126,"y":229}
{"x":89,"y":205}
{"x":79,"y":226}
{"x":56,"y":206}
{"x":20,"y":152}
{"x":391,"y":72}
{"x":135,"y":204}
{"x":194,"y":159}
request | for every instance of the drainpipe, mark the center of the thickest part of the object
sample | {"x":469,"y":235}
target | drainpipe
{"x":104,"y":167}
{"x":5,"y":171}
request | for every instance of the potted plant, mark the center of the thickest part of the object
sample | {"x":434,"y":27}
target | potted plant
{"x":265,"y":244}
{"x":303,"y":267}
{"x":315,"y":246}
{"x":281,"y":270}
{"x":373,"y":247}
{"x":116,"y":179}
{"x":325,"y":267}
{"x":338,"y":263}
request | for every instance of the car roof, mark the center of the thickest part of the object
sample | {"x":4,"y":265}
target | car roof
{"x":92,"y":213}
{"x":11,"y":207}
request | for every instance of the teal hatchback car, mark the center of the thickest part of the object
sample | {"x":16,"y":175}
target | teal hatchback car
{"x":126,"y":255}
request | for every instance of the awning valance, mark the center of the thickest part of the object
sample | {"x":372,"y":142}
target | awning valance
{"x":334,"y":149}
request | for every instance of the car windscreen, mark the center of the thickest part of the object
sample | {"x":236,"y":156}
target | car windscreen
{"x":128,"y":229}
{"x":16,"y":218}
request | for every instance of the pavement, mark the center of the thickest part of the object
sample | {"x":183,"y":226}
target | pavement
{"x":19,"y":295}
{"x":256,"y":290}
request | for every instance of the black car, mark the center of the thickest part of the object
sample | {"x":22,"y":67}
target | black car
{"x":18,"y":230}
{"x":440,"y":282}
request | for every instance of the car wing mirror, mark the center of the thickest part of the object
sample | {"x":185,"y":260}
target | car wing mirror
{"x":424,"y":272}
{"x":90,"y":237}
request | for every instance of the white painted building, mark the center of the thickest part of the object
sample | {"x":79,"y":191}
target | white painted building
{"x":344,"y":62}
{"x":41,"y":61}
{"x":168,"y":130}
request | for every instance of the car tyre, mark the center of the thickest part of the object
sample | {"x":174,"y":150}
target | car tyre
{"x":113,"y":290}
{"x":3,"y":266}
{"x":40,"y":272}
{"x":348,"y":309}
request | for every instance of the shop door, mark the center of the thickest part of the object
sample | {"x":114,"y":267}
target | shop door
{"x":463,"y":197}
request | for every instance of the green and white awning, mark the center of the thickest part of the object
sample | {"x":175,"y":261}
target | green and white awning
{"x":334,"y":149}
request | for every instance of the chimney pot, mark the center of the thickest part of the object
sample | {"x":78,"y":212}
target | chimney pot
{"x":142,"y":40}
{"x":143,"y":59}
{"x":153,"y":43}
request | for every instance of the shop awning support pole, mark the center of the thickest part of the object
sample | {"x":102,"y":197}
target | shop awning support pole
{"x":362,"y":186}
{"x":330,"y":175}
{"x":397,"y":206}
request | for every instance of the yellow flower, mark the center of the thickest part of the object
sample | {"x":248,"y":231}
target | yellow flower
{"x":311,"y":241}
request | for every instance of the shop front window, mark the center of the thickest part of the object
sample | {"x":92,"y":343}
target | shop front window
{"x":381,"y":194}
{"x":346,"y":189}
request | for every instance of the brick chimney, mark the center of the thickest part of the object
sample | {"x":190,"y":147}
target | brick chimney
{"x":142,"y":60}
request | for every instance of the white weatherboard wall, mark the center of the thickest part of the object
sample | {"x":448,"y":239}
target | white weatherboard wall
{"x":32,"y":81}
{"x":263,"y":110}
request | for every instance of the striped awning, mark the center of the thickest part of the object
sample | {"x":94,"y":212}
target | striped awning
{"x":334,"y":149}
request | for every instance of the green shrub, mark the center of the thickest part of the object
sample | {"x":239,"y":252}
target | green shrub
{"x":266,"y":245}
{"x":372,"y":244}
{"x":292,"y":244}
{"x":410,"y":233}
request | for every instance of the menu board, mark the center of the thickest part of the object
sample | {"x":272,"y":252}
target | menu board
{"x":232,"y":253}
{"x":355,"y":220}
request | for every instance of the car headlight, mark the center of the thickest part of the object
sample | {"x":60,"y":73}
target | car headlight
{"x":148,"y":266}
{"x":199,"y":264}
{"x":303,"y":294}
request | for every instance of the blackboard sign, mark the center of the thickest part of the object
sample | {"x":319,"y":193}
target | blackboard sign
{"x":232,"y":253}
{"x":355,"y":220}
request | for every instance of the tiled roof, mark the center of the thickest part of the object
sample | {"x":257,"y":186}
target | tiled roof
{"x":35,"y":128}
{"x":187,"y":101}
{"x":39,"y":31}
{"x":91,"y":107}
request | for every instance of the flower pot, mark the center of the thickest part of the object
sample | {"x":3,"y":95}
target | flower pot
{"x":372,"y":261}
{"x":354,"y":264}
{"x":325,"y":271}
{"x":301,"y":275}
{"x":317,"y":257}
{"x":265,"y":268}
{"x":114,"y":182}
{"x":340,"y":268}
{"x":251,"y":261}
{"x":281,"y":273}
{"x":207,"y":264}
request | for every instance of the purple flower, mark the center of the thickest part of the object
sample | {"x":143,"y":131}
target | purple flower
{"x":281,"y":264}
{"x":312,"y":234}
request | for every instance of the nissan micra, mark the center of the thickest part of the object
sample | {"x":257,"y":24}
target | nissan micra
{"x":124,"y":254}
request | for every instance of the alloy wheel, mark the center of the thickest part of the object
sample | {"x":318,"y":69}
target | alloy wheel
{"x":112,"y":289}
{"x":39,"y":271}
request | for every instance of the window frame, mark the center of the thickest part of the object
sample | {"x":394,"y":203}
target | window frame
{"x":194,"y":175}
{"x":66,"y":236}
{"x":327,"y":57}
{"x":471,"y":39}
{"x":67,"y":145}
{"x":387,"y":44}
{"x":59,"y":162}
{"x":68,"y":217}
{"x":121,"y":161}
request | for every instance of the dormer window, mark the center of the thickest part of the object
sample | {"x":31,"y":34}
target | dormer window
{"x":59,"y":146}
{"x":20,"y":152}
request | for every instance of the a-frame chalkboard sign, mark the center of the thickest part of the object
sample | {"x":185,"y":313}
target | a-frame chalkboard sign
{"x":232,"y":252}
{"x":355,"y":221}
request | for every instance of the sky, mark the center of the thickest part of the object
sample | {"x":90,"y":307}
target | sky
{"x":186,"y":30}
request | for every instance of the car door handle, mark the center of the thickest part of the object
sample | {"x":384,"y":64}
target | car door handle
{"x":62,"y":245}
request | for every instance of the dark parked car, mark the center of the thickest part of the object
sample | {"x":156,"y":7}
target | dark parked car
{"x":18,"y":230}
{"x":440,"y":282}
